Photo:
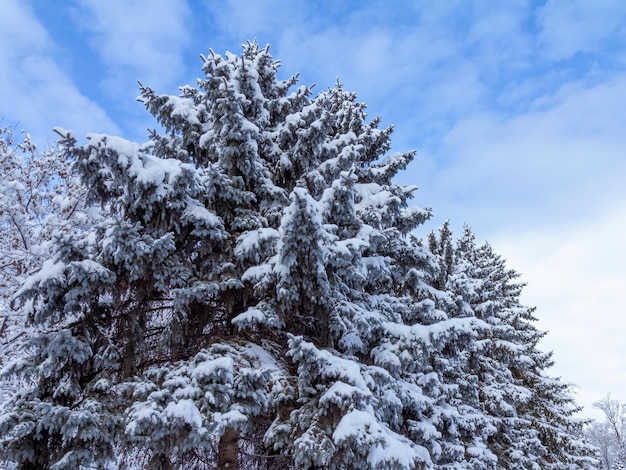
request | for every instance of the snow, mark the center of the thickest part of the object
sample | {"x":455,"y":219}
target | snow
{"x":376,"y":263}
{"x":152,"y":170}
{"x":252,"y":315}
{"x":352,"y":342}
{"x":363,"y":431}
{"x":122,"y":147}
{"x":145,"y":168}
{"x":198,"y":212}
{"x":90,"y":267}
{"x":433,"y":332}
{"x":15,"y":185}
{"x":387,"y":359}
{"x":331,"y":366}
{"x":230,"y":418}
{"x":50,"y":269}
{"x":395,"y":159}
{"x":187,"y":391}
{"x":220,"y":367}
{"x":413,"y":211}
{"x":261,"y":358}
{"x":349,"y":246}
{"x":250,"y":241}
{"x":353,"y":422}
{"x":256,"y":273}
{"x":373,"y":195}
{"x":185,"y":410}
{"x":184,"y":108}
{"x":341,"y":393}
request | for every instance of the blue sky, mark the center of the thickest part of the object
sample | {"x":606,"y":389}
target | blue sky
{"x":517,"y":111}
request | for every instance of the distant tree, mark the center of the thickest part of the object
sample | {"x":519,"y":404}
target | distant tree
{"x":599,"y":435}
{"x":609,"y":436}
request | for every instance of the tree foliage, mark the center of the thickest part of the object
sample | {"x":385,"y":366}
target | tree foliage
{"x":253,"y":294}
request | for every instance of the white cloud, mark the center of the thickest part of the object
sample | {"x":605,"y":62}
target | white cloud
{"x":576,"y":278}
{"x":18,"y":16}
{"x":412,"y":74}
{"x":35,"y":92}
{"x":555,"y":164}
{"x":568,"y":26}
{"x":242,"y":18}
{"x":140,"y":40}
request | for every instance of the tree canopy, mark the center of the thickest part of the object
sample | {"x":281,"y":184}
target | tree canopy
{"x":254,"y":292}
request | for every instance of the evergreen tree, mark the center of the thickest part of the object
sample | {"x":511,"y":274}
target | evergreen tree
{"x":252,"y":296}
{"x":534,"y":413}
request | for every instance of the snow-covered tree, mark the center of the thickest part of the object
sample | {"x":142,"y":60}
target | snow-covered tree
{"x":531,"y":413}
{"x":609,"y":436}
{"x":599,"y":435}
{"x":39,"y":200}
{"x":252,"y":295}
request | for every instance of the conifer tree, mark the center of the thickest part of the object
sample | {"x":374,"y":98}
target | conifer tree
{"x":532,"y":411}
{"x":252,"y":295}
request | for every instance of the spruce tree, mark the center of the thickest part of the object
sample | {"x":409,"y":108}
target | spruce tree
{"x":253,"y":296}
{"x":533,"y":413}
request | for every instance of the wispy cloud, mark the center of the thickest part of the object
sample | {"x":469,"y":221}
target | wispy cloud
{"x":548,"y":166}
{"x":572,"y":26}
{"x":402,"y":57}
{"x":140,"y":40}
{"x":35,"y":92}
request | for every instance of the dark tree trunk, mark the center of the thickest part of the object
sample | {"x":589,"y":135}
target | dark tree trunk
{"x":228,"y":450}
{"x":160,"y":462}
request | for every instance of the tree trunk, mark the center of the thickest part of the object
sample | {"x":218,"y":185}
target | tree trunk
{"x":228,"y":450}
{"x":160,"y":462}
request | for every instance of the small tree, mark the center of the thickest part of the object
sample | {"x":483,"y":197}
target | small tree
{"x":599,"y":435}
{"x":609,"y":436}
